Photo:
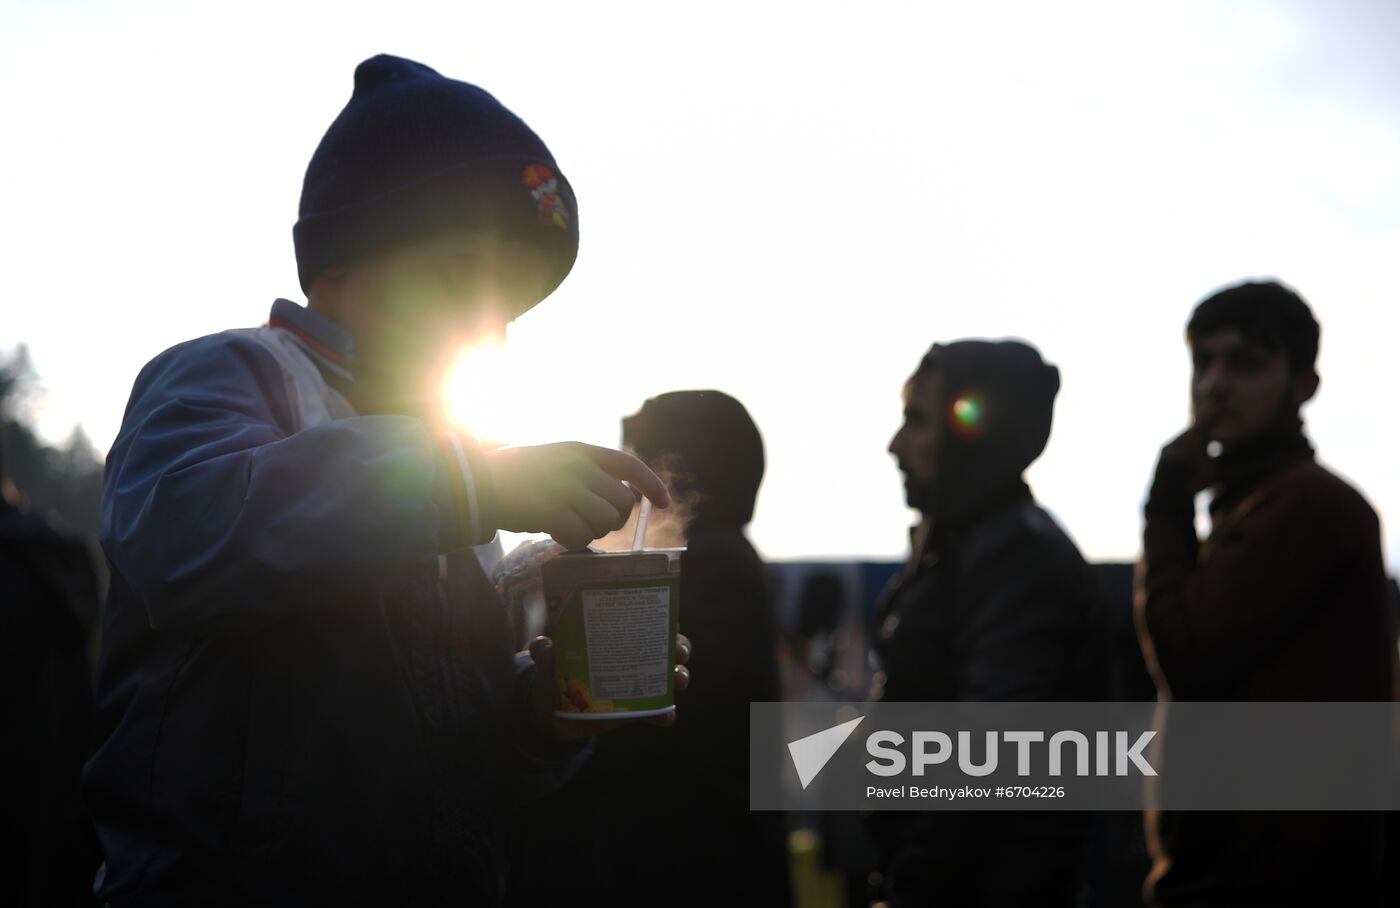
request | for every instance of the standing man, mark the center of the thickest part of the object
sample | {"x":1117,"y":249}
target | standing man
{"x":1286,"y":601}
{"x":995,"y":604}
{"x":307,"y":693}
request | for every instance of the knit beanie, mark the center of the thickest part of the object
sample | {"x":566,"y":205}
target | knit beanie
{"x":415,"y":153}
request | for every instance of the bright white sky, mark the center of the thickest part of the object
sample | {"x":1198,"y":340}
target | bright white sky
{"x":785,"y":202}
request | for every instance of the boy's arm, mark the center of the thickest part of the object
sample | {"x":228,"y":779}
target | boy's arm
{"x":216,"y":515}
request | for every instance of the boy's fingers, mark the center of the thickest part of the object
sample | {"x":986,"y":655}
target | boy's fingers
{"x":542,"y":653}
{"x":570,"y":532}
{"x":683,"y":648}
{"x":616,"y":494}
{"x":621,"y":465}
{"x":682,"y":678}
{"x":596,"y":513}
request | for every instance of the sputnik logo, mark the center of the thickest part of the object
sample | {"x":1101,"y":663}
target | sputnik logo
{"x":812,"y":753}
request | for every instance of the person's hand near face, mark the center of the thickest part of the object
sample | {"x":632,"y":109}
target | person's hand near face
{"x":1240,"y":390}
{"x":412,"y":310}
{"x":1186,"y":456}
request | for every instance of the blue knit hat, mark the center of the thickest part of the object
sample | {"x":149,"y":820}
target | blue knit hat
{"x":415,"y":153}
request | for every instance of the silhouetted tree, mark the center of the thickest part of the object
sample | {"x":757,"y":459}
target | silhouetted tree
{"x":62,"y":484}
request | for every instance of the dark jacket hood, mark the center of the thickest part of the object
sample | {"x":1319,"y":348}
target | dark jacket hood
{"x":708,"y":450}
{"x":998,"y":398}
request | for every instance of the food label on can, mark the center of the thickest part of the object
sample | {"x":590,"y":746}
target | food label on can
{"x":628,"y":641}
{"x":613,"y":618}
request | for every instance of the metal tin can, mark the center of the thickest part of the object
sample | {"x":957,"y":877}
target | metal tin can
{"x":613,"y":619}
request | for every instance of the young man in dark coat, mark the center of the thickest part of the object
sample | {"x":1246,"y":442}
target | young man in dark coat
{"x":996,"y":603}
{"x":1286,"y":600}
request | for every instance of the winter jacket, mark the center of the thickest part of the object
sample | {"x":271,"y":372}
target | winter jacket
{"x":307,"y":691}
{"x":996,"y":604}
{"x":1286,"y":601}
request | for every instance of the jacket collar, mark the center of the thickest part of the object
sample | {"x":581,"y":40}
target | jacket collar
{"x":928,"y":540}
{"x":330,"y":346}
{"x":1242,"y":469}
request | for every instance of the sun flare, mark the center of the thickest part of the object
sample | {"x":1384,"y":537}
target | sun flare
{"x":473,"y":392}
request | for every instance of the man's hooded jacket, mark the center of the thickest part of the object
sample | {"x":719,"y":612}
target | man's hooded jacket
{"x":996,"y":604}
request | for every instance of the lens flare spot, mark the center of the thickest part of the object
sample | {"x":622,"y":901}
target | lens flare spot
{"x":968,"y":413}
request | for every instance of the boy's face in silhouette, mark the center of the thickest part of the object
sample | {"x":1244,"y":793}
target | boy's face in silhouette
{"x":1241,"y":388}
{"x":414,"y":308}
{"x":915,"y":445}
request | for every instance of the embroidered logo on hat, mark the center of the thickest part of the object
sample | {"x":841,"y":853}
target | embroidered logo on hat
{"x":544,"y":186}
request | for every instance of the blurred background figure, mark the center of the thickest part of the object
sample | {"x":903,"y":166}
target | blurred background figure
{"x":48,"y":607}
{"x":615,"y":836}
{"x":818,"y":636}
{"x":996,"y":603}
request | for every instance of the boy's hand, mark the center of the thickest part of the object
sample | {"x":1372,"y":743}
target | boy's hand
{"x":571,"y":491}
{"x":542,"y":652}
